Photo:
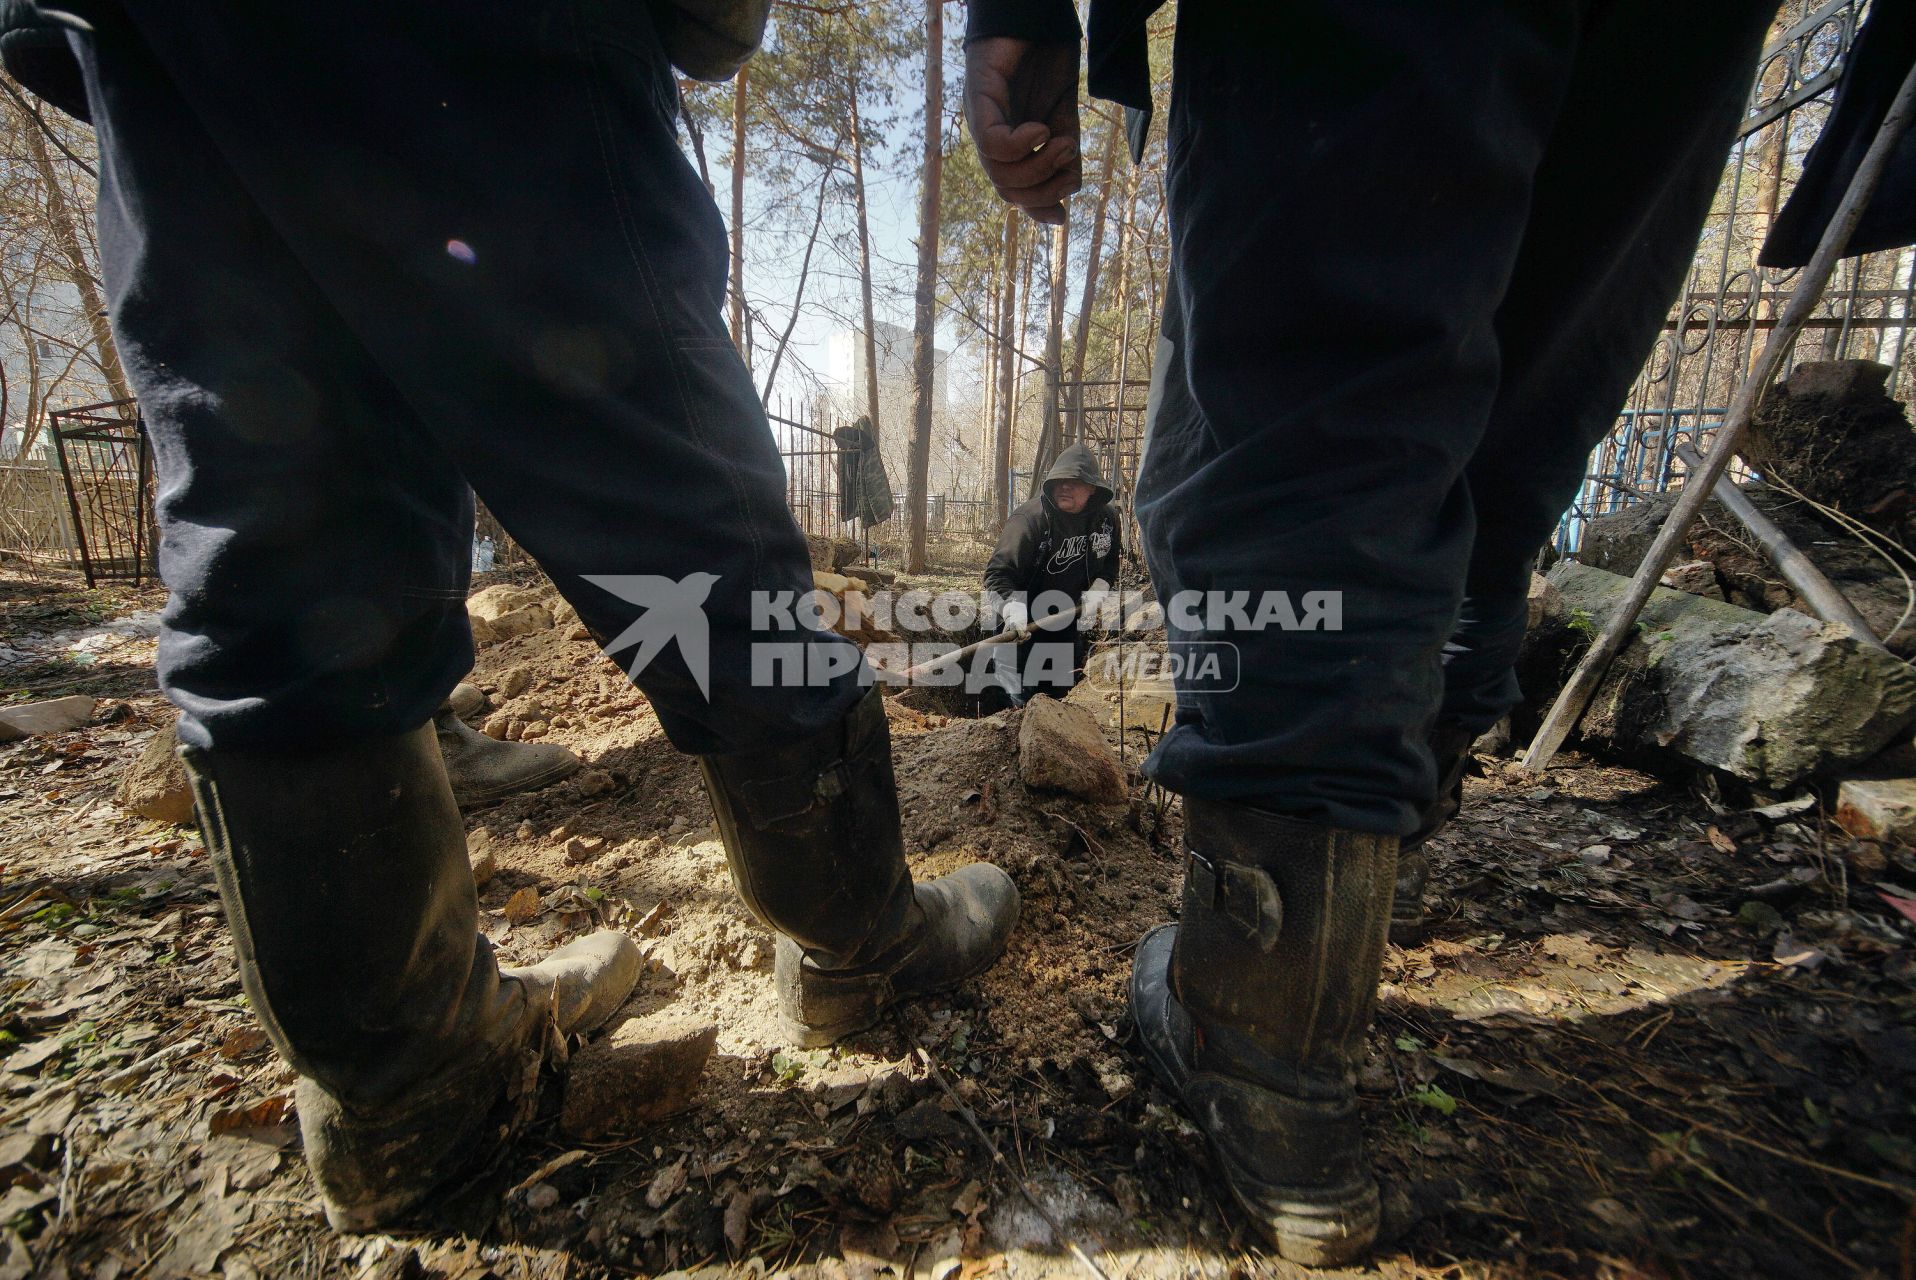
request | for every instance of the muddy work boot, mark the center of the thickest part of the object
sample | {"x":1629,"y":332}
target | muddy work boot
{"x":344,"y":876}
{"x":482,"y":769}
{"x":1253,"y":1008}
{"x":1450,"y":743}
{"x":811,"y":831}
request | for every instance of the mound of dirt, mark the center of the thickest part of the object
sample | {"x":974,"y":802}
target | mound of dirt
{"x":1092,"y":877}
{"x":1832,"y":431}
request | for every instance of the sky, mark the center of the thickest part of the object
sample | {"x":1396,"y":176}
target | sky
{"x":831,"y":298}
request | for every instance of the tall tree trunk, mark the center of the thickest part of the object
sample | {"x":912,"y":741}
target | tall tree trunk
{"x":1055,"y":431}
{"x":988,"y":417}
{"x":738,"y":214}
{"x":1088,"y":301}
{"x":924,"y":321}
{"x":1769,"y":199}
{"x":1007,"y":374}
{"x":1127,"y":249}
{"x":864,"y":262}
{"x":1028,"y":256}
{"x":67,"y":237}
{"x":1151,"y":277}
{"x":1136,"y":242}
{"x":33,"y":417}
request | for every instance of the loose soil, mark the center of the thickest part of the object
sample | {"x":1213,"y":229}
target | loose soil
{"x":1648,"y":1034}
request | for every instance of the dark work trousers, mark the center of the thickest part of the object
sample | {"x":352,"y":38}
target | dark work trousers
{"x":363,"y":255}
{"x":1419,"y":250}
{"x":1051,"y":666}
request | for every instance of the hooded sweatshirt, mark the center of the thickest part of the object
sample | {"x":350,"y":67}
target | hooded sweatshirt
{"x":1044,"y":549}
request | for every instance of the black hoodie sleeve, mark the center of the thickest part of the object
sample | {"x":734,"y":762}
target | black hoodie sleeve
{"x":1043,"y":21}
{"x":37,"y":55}
{"x":1014,"y":563}
{"x":1107,"y":565}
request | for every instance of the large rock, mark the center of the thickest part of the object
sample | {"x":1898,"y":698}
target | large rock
{"x":1127,"y":686}
{"x":1843,"y":381}
{"x":644,"y":1070}
{"x":1060,"y":748}
{"x":1718,"y":558}
{"x":154,"y":784}
{"x":467,"y":700}
{"x":482,"y":857}
{"x":832,"y":553}
{"x":1878,"y":809}
{"x":1698,"y":577}
{"x":1540,"y":600}
{"x":56,"y":715}
{"x":504,"y":611}
{"x":1616,"y":542}
{"x":1774,"y":700}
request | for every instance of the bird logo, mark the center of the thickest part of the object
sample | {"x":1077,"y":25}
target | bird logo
{"x":674,"y":610}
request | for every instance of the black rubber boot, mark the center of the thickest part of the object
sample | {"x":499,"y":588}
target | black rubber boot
{"x":1450,"y":743}
{"x":1253,"y":1008}
{"x":347,"y":888}
{"x":482,"y":769}
{"x":812,"y":834}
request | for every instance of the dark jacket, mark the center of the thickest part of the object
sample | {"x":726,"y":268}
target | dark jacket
{"x":1879,"y":60}
{"x":1119,"y":69}
{"x":706,"y":39}
{"x":1044,"y":549}
{"x":33,"y":48}
{"x":864,"y":489}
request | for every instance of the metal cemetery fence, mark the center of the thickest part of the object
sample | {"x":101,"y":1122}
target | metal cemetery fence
{"x":36,"y":522}
{"x":811,"y":453}
{"x":108,"y":470}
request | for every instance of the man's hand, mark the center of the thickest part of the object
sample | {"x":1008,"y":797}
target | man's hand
{"x":1014,"y":615}
{"x":1021,"y":101}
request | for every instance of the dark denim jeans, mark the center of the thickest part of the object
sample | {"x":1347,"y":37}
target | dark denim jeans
{"x":361,"y":256}
{"x":1419,"y":249}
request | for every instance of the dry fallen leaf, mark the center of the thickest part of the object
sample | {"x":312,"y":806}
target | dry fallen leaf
{"x":269,"y":1113}
{"x":249,"y":1165}
{"x":240,"y":1041}
{"x":36,"y":1055}
{"x":522,"y":905}
{"x":970,"y":1200}
{"x":546,"y":1170}
{"x":1614,"y":1213}
{"x":1788,"y":951}
{"x":738,"y":1216}
{"x":667,"y":1183}
{"x":650,"y":923}
{"x":1906,"y":907}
